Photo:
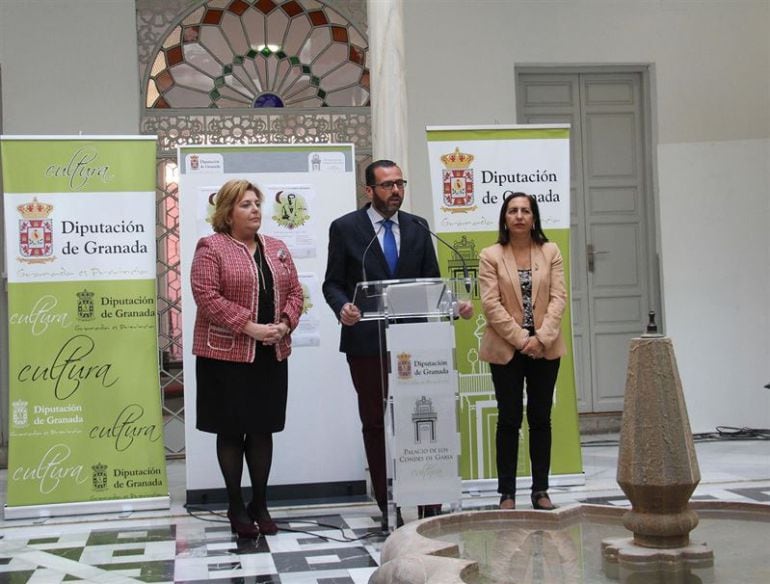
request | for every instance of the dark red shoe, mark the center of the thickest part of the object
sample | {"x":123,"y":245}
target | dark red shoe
{"x":266,"y":524}
{"x":243,"y":529}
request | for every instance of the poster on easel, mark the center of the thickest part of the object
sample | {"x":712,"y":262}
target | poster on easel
{"x":304,"y":188}
{"x":86,"y":429}
{"x":472,"y":170}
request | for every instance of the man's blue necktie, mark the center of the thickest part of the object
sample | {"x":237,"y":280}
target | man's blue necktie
{"x":389,"y":246}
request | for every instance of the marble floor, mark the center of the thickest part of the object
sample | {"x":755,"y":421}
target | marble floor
{"x":316,"y":545}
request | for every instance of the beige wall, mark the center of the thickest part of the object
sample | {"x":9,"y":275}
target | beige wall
{"x":69,"y":67}
{"x":714,"y":224}
{"x":710,"y":79}
{"x":710,"y":60}
{"x":706,"y":54}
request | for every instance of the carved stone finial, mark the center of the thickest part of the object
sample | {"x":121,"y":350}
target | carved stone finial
{"x":652,"y":328}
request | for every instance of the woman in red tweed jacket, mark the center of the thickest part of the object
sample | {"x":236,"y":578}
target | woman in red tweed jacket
{"x":249,"y":300}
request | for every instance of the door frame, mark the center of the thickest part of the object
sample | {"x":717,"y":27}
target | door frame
{"x":646,"y":72}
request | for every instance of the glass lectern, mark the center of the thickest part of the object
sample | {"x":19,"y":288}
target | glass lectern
{"x":417,"y":341}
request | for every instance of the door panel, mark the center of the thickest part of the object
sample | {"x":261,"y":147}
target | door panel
{"x":610,"y":140}
{"x":616,"y":267}
{"x":556,"y":90}
{"x":610,"y":347}
{"x":613,"y":163}
{"x":612,"y":200}
{"x":609,"y":259}
{"x":610,"y":92}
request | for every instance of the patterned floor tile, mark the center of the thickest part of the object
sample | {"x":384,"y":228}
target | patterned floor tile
{"x":756,"y":494}
{"x":328,"y":548}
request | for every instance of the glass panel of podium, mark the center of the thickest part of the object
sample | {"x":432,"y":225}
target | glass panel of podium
{"x":416,"y":328}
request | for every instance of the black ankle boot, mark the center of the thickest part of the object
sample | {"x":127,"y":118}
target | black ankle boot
{"x":541,"y":500}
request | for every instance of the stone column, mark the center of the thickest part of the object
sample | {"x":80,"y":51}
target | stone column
{"x":658,"y":471}
{"x":657,"y":466}
{"x":388,"y":83}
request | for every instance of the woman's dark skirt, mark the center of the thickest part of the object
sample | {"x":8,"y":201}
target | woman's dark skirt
{"x":242,"y":398}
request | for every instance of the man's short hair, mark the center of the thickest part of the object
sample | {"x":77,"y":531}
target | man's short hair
{"x":369,"y":174}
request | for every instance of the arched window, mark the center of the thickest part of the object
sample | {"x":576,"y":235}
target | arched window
{"x":260,"y":53}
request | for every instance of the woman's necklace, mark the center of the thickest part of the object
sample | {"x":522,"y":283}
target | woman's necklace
{"x":523,"y":258}
{"x":260,"y":267}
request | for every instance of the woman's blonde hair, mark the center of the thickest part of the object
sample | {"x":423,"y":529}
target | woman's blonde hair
{"x":227,"y":197}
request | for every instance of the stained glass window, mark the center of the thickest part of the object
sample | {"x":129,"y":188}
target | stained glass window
{"x":261,"y":53}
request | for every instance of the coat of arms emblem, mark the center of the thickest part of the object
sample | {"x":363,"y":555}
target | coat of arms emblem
{"x":85,"y":305}
{"x":457,"y":180}
{"x":35,"y":232}
{"x":99,"y":476}
{"x":20,"y":413}
{"x":404,"y":366}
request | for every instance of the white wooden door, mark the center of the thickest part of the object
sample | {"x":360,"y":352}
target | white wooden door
{"x":612,"y":261}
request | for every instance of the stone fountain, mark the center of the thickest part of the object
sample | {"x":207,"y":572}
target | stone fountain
{"x":657,"y":470}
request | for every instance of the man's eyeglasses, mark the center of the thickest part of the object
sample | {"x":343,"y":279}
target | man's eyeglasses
{"x":389,"y":184}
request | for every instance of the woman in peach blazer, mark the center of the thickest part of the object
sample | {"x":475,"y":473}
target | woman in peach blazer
{"x":523,"y":296}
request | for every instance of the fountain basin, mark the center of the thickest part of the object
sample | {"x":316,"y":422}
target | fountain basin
{"x":489,"y":547}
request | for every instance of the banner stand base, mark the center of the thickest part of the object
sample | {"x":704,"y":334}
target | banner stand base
{"x":86,"y":507}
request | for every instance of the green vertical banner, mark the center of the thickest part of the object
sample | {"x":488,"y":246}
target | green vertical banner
{"x":472,"y":170}
{"x":86,"y":430}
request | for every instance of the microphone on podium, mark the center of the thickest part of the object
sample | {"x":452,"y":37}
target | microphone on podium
{"x":366,"y":250}
{"x":466,"y":274}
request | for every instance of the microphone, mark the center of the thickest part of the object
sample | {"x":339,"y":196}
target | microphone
{"x":366,"y":250}
{"x":466,"y":275}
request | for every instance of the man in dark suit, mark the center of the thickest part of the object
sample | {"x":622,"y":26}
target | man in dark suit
{"x":364,"y":236}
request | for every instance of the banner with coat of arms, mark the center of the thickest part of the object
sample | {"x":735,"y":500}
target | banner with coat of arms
{"x":472,"y":170}
{"x":86,"y":430}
